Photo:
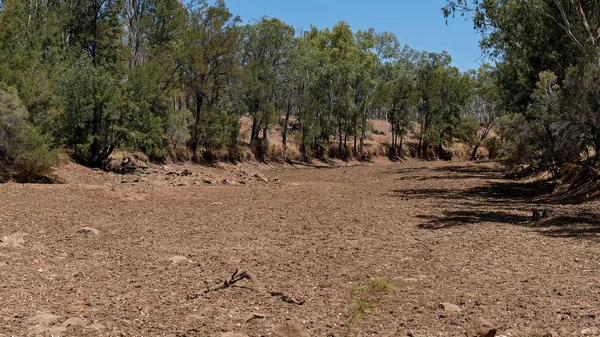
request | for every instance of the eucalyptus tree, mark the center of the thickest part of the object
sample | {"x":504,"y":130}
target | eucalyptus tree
{"x":484,"y":106}
{"x":266,"y":46}
{"x":208,"y":67}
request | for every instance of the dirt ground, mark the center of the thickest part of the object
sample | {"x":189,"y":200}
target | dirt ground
{"x":350,"y":251}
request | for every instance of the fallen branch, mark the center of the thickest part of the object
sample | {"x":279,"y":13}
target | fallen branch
{"x":236,"y":277}
{"x":294,"y":162}
{"x":286,"y":298}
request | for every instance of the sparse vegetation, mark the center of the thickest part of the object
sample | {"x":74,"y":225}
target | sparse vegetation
{"x":363,"y":299}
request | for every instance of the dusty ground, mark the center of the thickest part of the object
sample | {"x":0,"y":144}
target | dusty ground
{"x":368,"y":250}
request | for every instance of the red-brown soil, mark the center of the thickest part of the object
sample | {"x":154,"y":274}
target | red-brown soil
{"x":369,"y":251}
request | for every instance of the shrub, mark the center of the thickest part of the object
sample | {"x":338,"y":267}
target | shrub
{"x":25,"y":153}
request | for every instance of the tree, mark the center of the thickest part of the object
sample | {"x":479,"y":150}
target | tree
{"x":207,"y":69}
{"x":25,"y":152}
{"x":484,"y":106}
{"x":91,"y":111}
{"x":266,"y":45}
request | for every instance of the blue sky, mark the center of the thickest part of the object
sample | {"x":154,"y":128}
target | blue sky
{"x":418,"y":23}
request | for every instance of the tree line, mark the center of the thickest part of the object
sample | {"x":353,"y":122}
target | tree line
{"x":160,"y":76}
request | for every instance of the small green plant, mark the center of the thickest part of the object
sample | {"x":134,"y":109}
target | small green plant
{"x":364,"y":298}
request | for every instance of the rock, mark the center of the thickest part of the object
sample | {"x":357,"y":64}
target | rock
{"x":590,"y":331}
{"x":97,"y":327}
{"x":43,"y":319}
{"x":194,"y":318}
{"x":79,"y":274}
{"x":291,"y":328}
{"x":207,"y":181}
{"x":186,"y":173}
{"x":233,"y":334}
{"x":481,"y":328}
{"x":73,"y":322}
{"x":14,"y":240}
{"x":254,"y":315}
{"x":450,"y":308}
{"x":88,"y":231}
{"x":178,"y":259}
{"x":261,"y":177}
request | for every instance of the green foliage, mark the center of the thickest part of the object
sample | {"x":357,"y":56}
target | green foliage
{"x":494,"y":147}
{"x":546,"y":77}
{"x":90,"y":99}
{"x":466,"y":130}
{"x":25,"y":153}
{"x":178,"y":128}
{"x":157,"y":75}
{"x":363,"y":299}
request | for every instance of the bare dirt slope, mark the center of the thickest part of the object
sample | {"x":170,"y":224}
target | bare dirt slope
{"x":351,"y":251}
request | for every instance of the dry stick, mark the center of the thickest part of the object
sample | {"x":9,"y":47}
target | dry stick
{"x":286,"y":298}
{"x":294,"y":162}
{"x":234,"y":278}
{"x":244,"y":275}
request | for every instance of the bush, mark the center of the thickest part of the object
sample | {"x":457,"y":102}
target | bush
{"x":25,"y":153}
{"x":494,"y":147}
{"x":89,"y":96}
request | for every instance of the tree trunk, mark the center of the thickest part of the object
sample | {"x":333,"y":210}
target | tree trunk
{"x":288,"y":112}
{"x":196,"y":129}
{"x":340,"y":143}
{"x":474,"y":154}
{"x":400,"y":152}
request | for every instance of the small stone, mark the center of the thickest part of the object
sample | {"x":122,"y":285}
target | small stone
{"x":74,"y":322}
{"x":233,"y":334}
{"x":450,"y":308}
{"x":291,"y":328}
{"x":590,"y":331}
{"x":88,"y":231}
{"x":254,"y":315}
{"x":14,"y":240}
{"x":261,"y":177}
{"x":482,"y":328}
{"x":207,"y":181}
{"x":79,"y":274}
{"x":178,"y":259}
{"x":43,"y":319}
{"x":97,"y":327}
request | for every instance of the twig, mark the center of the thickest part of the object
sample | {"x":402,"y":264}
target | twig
{"x":236,"y":277}
{"x":286,"y":298}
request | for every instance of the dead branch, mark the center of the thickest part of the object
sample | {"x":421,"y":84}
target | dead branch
{"x":236,"y":277}
{"x":286,"y":298}
{"x":294,"y":162}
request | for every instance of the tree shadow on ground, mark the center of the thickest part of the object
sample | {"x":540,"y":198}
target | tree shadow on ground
{"x":503,"y":192}
{"x":580,"y":225}
{"x":462,"y":218}
{"x":511,"y":203}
